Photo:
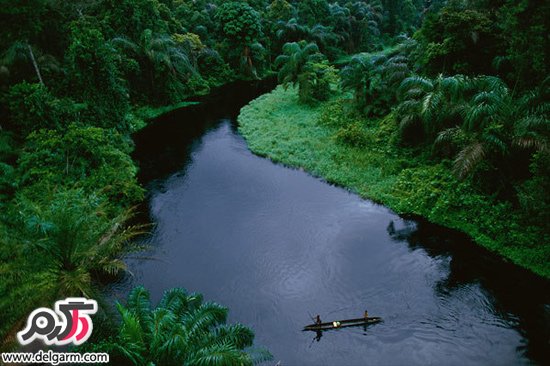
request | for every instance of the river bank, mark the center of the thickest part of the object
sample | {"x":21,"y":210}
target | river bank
{"x":362,"y":156}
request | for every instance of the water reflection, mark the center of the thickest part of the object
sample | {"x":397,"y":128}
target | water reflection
{"x":275,"y":245}
{"x":516,"y":298}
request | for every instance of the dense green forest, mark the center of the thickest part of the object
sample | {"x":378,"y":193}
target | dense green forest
{"x":459,"y":85}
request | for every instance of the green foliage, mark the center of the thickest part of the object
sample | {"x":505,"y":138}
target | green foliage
{"x":239,"y":22}
{"x":7,"y":146}
{"x":315,"y":82}
{"x":301,"y":64}
{"x":322,"y":142}
{"x":354,"y":134}
{"x":132,"y":17}
{"x":356,"y":24}
{"x":524,"y":29}
{"x":373,"y":78}
{"x":313,"y":11}
{"x":241,"y":25}
{"x":431,"y":106}
{"x":218,"y":72}
{"x":279,"y":10}
{"x":32,"y":107}
{"x":402,"y":15}
{"x":533,"y":193}
{"x":21,"y":19}
{"x":457,"y":40}
{"x":92,"y":66}
{"x":88,"y":157}
{"x":166,"y":63}
{"x":180,"y":330}
{"x":477,"y":118}
{"x":7,"y":182}
{"x":63,"y":244}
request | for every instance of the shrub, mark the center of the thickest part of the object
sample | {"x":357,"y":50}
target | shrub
{"x":33,"y":107}
{"x":354,"y":135}
{"x":89,"y":157}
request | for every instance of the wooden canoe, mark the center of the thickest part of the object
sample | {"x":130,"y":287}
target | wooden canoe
{"x":343,"y":323}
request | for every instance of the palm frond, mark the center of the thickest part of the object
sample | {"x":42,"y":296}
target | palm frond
{"x":468,"y":159}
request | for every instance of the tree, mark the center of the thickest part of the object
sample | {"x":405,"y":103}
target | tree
{"x":431,"y":105}
{"x":361,"y":75}
{"x":241,"y":25}
{"x":357,"y":24}
{"x":457,"y":40}
{"x":315,"y":81}
{"x":524,"y":27}
{"x":293,"y":63}
{"x":92,"y":67}
{"x":165,"y":61}
{"x":89,"y":157}
{"x":62,"y":245}
{"x":181,"y":330}
{"x":313,"y":12}
{"x":279,"y":10}
{"x":22,"y":51}
{"x":373,"y":80}
{"x":32,"y":107}
{"x":401,"y":15}
{"x":130,"y":18}
{"x":494,"y":126}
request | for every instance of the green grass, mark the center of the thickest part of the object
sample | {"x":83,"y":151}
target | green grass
{"x":148,"y":112}
{"x":362,"y":156}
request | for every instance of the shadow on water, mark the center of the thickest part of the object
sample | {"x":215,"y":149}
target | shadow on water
{"x":165,"y":146}
{"x":274,"y":243}
{"x":519,"y":297}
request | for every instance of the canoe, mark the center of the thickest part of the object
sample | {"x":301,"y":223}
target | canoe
{"x":343,"y":323}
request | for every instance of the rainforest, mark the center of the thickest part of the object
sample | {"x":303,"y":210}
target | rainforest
{"x":215,"y":173}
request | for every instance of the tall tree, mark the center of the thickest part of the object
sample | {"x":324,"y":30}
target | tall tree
{"x":241,"y":25}
{"x":91,"y":67}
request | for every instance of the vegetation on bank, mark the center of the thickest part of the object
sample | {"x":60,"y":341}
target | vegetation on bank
{"x":332,"y":141}
{"x":180,"y":330}
{"x":78,"y":78}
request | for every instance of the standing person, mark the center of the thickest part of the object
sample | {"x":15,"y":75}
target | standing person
{"x":318,"y":320}
{"x":366,"y":315}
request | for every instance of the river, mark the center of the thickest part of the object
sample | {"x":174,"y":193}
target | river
{"x":277,"y":246}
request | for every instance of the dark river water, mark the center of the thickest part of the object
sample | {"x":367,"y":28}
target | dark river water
{"x":277,"y":245}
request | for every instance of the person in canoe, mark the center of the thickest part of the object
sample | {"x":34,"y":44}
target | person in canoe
{"x":366,"y":315}
{"x":318,"y":320}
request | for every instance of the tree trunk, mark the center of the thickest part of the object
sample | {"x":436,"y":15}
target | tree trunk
{"x":248,"y":58}
{"x":35,"y":64}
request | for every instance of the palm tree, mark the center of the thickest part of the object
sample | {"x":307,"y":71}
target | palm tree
{"x":159,"y":55}
{"x":293,"y":60}
{"x":323,"y":36}
{"x":366,"y":19}
{"x":354,"y":21}
{"x":435,"y":104}
{"x":22,"y":51}
{"x":74,"y":245}
{"x":181,"y":330}
{"x":290,"y":31}
{"x":373,"y":78}
{"x":494,"y":124}
{"x":64,"y":247}
{"x":532,"y":131}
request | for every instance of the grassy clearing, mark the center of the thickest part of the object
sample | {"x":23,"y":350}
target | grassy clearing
{"x":362,"y":156}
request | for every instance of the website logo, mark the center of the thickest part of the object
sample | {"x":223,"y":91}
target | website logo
{"x":69,"y":323}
